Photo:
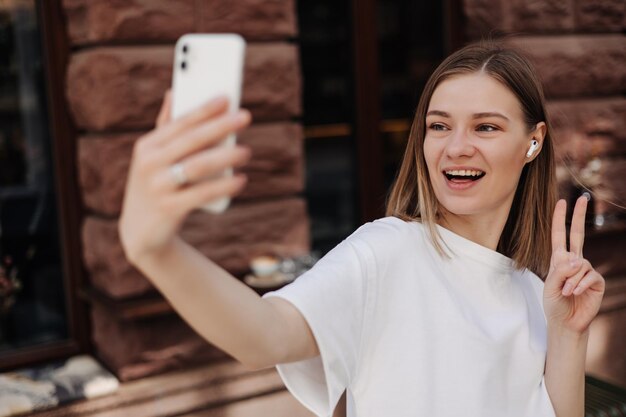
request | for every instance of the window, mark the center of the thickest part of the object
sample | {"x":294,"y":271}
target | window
{"x":38,"y":318}
{"x":364,"y":64}
{"x":331,"y":182}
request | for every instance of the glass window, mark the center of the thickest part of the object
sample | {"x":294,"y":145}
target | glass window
{"x":327,"y":63}
{"x":32,"y":294}
{"x":410,"y":45}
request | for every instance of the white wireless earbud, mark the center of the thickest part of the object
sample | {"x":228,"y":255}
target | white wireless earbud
{"x":533,"y":147}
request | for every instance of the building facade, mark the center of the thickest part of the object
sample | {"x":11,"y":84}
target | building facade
{"x":332,"y":87}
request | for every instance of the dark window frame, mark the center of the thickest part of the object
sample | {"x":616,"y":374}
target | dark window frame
{"x":56,"y":51}
{"x":367,"y":117}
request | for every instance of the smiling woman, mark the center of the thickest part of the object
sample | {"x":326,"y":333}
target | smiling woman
{"x":483,"y":104}
{"x":498,"y":320}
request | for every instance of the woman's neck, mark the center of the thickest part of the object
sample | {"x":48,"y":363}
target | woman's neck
{"x":482,"y":229}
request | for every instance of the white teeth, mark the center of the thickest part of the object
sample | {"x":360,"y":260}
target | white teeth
{"x":464,"y":172}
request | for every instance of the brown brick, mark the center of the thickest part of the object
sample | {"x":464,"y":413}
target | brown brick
{"x":542,"y":16}
{"x":118,"y":87}
{"x":600,"y":15}
{"x":254,"y":19}
{"x":602,"y":248}
{"x":575,"y":65}
{"x":607,"y":344}
{"x":104,"y":258}
{"x":103,"y":21}
{"x":230,"y":239}
{"x":115,"y":21}
{"x":273,"y":84}
{"x":483,"y":17}
{"x":122,"y":87}
{"x":103,"y":163}
{"x":134,"y":349}
{"x":587,"y":128}
{"x":276,"y":167}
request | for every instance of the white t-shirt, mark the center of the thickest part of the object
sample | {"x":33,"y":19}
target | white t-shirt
{"x":409,"y":333}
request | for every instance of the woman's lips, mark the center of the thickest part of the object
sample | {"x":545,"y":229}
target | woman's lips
{"x":461,"y":184}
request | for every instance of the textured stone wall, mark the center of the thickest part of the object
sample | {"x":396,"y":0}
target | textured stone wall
{"x":120,"y":67}
{"x":579,"y":50}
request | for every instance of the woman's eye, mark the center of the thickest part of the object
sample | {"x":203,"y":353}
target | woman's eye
{"x":487,"y":128}
{"x":437,"y":127}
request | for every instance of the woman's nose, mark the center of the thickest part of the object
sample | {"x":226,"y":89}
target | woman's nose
{"x":459,"y":145}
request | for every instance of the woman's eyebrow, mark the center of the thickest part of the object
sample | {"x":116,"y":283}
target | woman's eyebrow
{"x":474,"y":116}
{"x":438,"y":113}
{"x":489,"y":114}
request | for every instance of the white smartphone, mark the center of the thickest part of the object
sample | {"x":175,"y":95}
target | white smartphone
{"x":205,"y":66}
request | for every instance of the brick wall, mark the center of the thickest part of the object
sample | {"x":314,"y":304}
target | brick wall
{"x":579,"y":49}
{"x":121,"y":66}
{"x":117,"y":74}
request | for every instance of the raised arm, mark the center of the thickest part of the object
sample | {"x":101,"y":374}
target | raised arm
{"x":572,"y":295}
{"x":255,"y":331}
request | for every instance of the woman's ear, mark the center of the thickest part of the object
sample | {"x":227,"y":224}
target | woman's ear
{"x":539,"y":132}
{"x":535,"y":141}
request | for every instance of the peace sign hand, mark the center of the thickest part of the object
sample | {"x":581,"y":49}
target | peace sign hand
{"x":573,"y":289}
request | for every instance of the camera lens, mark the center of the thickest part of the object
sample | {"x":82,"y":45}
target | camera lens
{"x":185,"y":49}
{"x":183,"y":65}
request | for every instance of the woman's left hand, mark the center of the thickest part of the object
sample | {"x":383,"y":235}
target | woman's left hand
{"x":573,"y":289}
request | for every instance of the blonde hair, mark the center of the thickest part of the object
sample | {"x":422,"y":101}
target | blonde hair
{"x":526,"y":235}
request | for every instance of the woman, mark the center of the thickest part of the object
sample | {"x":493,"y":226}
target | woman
{"x":436,"y":310}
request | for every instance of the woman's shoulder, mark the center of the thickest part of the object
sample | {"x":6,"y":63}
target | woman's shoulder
{"x":387,"y":234}
{"x":531,"y":280}
{"x":386,"y":228}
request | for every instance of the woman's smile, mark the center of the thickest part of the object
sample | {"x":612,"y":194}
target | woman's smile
{"x":462,"y":178}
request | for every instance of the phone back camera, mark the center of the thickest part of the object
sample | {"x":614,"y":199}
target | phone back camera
{"x":183,"y":65}
{"x":185,"y":49}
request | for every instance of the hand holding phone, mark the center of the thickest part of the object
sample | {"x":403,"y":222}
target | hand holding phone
{"x":186,"y":162}
{"x":207,"y":66}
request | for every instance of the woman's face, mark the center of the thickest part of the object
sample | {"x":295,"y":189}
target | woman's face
{"x":475,"y":145}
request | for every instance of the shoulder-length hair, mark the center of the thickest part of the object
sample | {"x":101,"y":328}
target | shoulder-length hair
{"x":526,"y":235}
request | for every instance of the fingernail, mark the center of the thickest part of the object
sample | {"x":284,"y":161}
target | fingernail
{"x":219,"y":100}
{"x":244,"y":152}
{"x":567,"y":288}
{"x":242,"y":178}
{"x":587,"y":195}
{"x":242,"y":116}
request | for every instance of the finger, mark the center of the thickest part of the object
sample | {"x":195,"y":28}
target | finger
{"x":567,"y":266}
{"x":204,"y":136}
{"x":558,"y":226}
{"x":171,"y":131}
{"x":206,"y":192}
{"x":592,"y":280}
{"x":573,"y":281}
{"x":577,"y":229}
{"x":165,"y":114}
{"x":559,"y":257}
{"x":205,"y":165}
{"x":215,"y":161}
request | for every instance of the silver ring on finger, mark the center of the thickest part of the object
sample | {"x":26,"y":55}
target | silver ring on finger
{"x":179,"y":175}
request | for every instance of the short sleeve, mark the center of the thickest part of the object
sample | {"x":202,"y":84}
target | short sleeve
{"x":332,"y":297}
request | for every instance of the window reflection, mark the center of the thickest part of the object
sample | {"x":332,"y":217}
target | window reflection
{"x":32,"y":304}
